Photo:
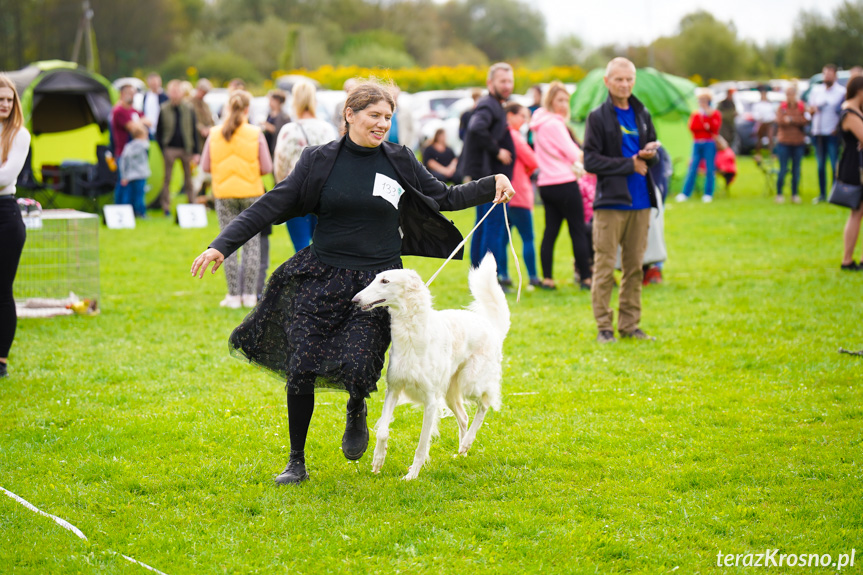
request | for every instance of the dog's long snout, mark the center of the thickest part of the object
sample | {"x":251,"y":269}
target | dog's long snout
{"x":357,"y":299}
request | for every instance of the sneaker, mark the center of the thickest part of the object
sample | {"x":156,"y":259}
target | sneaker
{"x":637,"y":333}
{"x":606,"y":336}
{"x":653,"y":275}
{"x":250,"y":300}
{"x":295,"y":472}
{"x":681,"y":198}
{"x":585,"y":285}
{"x":795,"y":199}
{"x":356,"y":437}
{"x":819,"y":200}
{"x":232,"y":302}
{"x":780,"y":199}
{"x":505,"y":282}
{"x":3,"y":369}
{"x":852,"y":267}
{"x":706,"y":199}
{"x":547,"y":285}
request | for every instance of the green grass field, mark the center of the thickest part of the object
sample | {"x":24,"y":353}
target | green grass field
{"x":739,"y":430}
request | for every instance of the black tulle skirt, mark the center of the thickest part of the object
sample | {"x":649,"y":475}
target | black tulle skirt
{"x":306,"y":332}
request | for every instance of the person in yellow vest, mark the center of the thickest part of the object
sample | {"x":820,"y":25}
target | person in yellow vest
{"x":236,"y":155}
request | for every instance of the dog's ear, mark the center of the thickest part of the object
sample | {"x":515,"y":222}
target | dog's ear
{"x":414,"y":282}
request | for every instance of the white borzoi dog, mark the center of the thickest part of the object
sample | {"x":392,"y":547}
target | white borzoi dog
{"x":440,"y":357}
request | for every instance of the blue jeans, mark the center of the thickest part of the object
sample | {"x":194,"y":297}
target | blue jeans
{"x":301,"y":230}
{"x":522,"y":220}
{"x":476,"y":251}
{"x":826,"y":147}
{"x":706,"y":151}
{"x":495,"y":239}
{"x":136,"y":196}
{"x":121,"y":192}
{"x":795,"y":154}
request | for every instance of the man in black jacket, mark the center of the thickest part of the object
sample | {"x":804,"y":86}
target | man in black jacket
{"x":489,"y":149}
{"x":620,"y":143}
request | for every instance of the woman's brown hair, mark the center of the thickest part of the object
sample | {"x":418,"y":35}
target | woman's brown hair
{"x":368,"y":93}
{"x":237,"y":104}
{"x":854,"y":86}
{"x":14,"y":122}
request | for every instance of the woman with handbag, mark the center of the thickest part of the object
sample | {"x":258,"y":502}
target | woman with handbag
{"x":560,"y":167}
{"x":850,"y":171}
{"x":704,"y":125}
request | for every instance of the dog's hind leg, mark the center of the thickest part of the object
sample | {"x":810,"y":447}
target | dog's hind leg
{"x":382,"y":428}
{"x":481,"y":410}
{"x":430,"y":414}
{"x":454,"y":402}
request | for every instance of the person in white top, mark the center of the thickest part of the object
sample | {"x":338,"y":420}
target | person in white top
{"x":14,"y":145}
{"x":306,"y":130}
{"x":153,"y":101}
{"x":764,"y":114}
{"x":825,"y":102}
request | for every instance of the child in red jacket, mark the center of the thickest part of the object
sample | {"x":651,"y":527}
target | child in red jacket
{"x":704,"y":125}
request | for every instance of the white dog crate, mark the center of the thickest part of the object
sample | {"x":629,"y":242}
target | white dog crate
{"x":61,"y":255}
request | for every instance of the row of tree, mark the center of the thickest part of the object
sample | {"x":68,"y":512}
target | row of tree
{"x":252,"y":38}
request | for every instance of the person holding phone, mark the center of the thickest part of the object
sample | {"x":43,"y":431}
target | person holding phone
{"x":619,"y":145}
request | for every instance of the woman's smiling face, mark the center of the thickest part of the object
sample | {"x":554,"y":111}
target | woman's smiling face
{"x":369,"y":126}
{"x":7,"y":101}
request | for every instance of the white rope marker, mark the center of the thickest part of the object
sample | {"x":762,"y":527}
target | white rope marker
{"x":69,"y":527}
{"x":469,"y":234}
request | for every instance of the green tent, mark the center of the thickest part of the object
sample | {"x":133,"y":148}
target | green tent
{"x":669,"y":99}
{"x":67,"y":111}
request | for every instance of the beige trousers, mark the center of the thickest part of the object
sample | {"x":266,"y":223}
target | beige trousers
{"x":627,"y":229}
{"x":171,"y":155}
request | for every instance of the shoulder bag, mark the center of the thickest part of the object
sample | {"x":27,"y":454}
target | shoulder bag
{"x":848,"y":195}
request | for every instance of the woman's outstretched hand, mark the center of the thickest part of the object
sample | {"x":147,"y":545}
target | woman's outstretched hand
{"x":202,"y":262}
{"x":503,"y":189}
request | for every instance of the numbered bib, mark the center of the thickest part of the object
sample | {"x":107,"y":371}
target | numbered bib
{"x":388,"y":189}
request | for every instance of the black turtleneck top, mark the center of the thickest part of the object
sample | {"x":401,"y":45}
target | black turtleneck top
{"x":358,"y":217}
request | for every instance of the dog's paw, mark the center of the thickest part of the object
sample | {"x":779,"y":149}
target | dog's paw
{"x":463,"y":449}
{"x":378,"y":461}
{"x":413,"y":473}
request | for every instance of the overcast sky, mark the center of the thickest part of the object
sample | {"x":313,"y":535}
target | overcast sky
{"x":600,"y":22}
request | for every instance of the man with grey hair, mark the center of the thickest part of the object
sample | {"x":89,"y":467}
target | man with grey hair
{"x":619,"y":144}
{"x":489,"y":149}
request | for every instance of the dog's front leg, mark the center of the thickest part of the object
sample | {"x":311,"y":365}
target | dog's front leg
{"x":429,"y":416}
{"x":382,"y":429}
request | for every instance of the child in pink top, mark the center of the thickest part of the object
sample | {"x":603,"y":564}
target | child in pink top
{"x":520,"y":208}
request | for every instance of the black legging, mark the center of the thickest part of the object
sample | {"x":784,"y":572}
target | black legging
{"x":12,"y":236}
{"x":300,"y":410}
{"x":563,"y":202}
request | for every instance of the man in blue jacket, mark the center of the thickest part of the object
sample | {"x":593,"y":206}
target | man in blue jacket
{"x":620,"y":143}
{"x":489,"y":149}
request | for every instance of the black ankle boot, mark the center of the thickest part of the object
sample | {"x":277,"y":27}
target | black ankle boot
{"x":356,"y":437}
{"x":295,"y":471}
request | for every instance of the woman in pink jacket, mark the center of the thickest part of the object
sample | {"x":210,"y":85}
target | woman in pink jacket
{"x":560,"y":167}
{"x":521,"y":209}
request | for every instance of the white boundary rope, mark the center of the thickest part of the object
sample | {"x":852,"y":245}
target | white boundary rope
{"x":69,"y":527}
{"x":469,"y":234}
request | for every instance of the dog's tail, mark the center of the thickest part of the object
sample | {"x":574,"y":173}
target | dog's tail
{"x":489,"y":300}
